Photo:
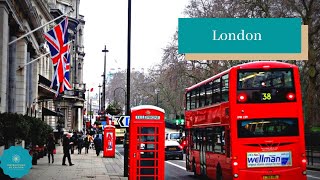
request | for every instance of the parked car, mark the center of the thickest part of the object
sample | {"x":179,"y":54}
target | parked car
{"x":173,"y":150}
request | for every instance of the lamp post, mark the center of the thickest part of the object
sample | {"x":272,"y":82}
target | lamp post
{"x":126,"y":145}
{"x":88,"y":101}
{"x":99,"y":99}
{"x":104,"y":81}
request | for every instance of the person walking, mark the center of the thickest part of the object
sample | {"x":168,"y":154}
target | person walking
{"x":51,"y":146}
{"x":86,"y":143}
{"x":74,"y":141}
{"x":66,"y":150}
{"x":80,"y":144}
{"x":97,"y":144}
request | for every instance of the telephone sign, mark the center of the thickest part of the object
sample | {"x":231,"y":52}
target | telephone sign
{"x":124,"y":121}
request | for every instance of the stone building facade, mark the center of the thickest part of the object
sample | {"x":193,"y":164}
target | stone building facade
{"x":26,"y":72}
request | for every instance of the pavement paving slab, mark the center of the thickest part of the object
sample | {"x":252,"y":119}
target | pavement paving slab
{"x":87,"y":166}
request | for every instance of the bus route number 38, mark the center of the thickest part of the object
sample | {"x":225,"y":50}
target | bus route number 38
{"x":266,"y":96}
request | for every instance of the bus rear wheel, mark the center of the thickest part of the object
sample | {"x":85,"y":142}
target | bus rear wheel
{"x":194,"y":168}
{"x":219,"y":173}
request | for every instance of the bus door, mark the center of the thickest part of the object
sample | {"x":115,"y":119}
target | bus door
{"x":203,"y":148}
{"x":147,"y":139}
{"x":188,"y":135}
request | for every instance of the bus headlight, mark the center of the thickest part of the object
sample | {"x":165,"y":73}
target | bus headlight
{"x":304,"y":172}
{"x":235,"y":175}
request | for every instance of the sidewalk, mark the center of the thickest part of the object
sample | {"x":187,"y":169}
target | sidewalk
{"x":87,"y":166}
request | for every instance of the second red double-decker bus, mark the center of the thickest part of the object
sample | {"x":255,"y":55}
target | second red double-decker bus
{"x":247,"y":123}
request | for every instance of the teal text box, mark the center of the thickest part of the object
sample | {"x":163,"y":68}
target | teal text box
{"x":257,"y":35}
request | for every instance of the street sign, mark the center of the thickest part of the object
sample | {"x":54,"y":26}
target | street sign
{"x":124,"y":121}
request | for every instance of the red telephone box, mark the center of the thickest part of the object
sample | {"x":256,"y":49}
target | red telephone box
{"x":146,"y":143}
{"x":109,"y":141}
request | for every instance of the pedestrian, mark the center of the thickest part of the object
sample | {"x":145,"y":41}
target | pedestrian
{"x":66,"y":150}
{"x":80,"y":144}
{"x":74,"y":141}
{"x":51,"y":146}
{"x":86,"y":143}
{"x":97,"y":144}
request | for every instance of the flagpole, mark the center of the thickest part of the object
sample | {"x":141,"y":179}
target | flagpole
{"x":43,"y":55}
{"x":30,"y":32}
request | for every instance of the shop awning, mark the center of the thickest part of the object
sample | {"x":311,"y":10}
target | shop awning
{"x":48,"y":112}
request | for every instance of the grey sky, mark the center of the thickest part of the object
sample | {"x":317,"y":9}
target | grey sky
{"x":153,"y":23}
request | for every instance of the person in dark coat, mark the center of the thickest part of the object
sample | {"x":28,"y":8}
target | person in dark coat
{"x":87,"y":143}
{"x":51,"y":146}
{"x":80,"y":144}
{"x":74,"y":140}
{"x":66,"y":150}
{"x":97,"y":144}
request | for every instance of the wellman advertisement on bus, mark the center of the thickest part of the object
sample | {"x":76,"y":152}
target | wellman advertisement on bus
{"x":269,"y":159}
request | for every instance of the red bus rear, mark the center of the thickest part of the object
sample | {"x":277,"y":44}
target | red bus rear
{"x":247,"y":123}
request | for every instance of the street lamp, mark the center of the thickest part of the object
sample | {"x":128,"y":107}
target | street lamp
{"x":88,"y":101}
{"x":126,"y":145}
{"x":99,"y":98}
{"x":104,"y":80}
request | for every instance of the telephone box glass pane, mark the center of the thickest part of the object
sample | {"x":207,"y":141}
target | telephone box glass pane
{"x":147,"y":171}
{"x":147,"y":178}
{"x":146,"y":130}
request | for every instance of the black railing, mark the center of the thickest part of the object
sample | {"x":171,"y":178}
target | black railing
{"x":313,"y":149}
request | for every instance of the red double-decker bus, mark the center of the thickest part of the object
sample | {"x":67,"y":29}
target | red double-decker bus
{"x":247,"y":123}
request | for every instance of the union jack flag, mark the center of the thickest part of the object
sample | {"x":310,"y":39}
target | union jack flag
{"x":57,"y":40}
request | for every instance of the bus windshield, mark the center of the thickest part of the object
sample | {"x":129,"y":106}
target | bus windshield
{"x":260,"y":86}
{"x":268,"y":128}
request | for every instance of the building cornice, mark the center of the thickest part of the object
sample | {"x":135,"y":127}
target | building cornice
{"x":14,"y":13}
{"x":45,"y":9}
{"x":5,"y":5}
{"x":33,"y":18}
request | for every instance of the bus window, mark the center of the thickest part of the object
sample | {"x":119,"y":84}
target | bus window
{"x":210,"y":139}
{"x":202,"y":96}
{"x":188,"y":101}
{"x":262,"y":86}
{"x":225,"y":88}
{"x":209,"y":93}
{"x":216,"y":91}
{"x":227,"y":147}
{"x":218,"y":139}
{"x":197,"y":98}
{"x":268,"y":127}
{"x":194,"y":139}
{"x":193,"y":99}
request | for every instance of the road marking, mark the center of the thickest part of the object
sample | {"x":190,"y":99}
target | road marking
{"x":313,"y":177}
{"x":313,"y":170}
{"x":183,"y":168}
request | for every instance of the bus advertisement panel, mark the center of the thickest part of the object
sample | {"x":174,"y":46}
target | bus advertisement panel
{"x":247,"y":123}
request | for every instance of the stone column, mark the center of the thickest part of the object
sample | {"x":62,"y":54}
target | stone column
{"x":4,"y":39}
{"x":21,"y":78}
{"x":79,"y":120}
{"x":34,"y":83}
{"x":12,"y":68}
{"x":29,"y":99}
